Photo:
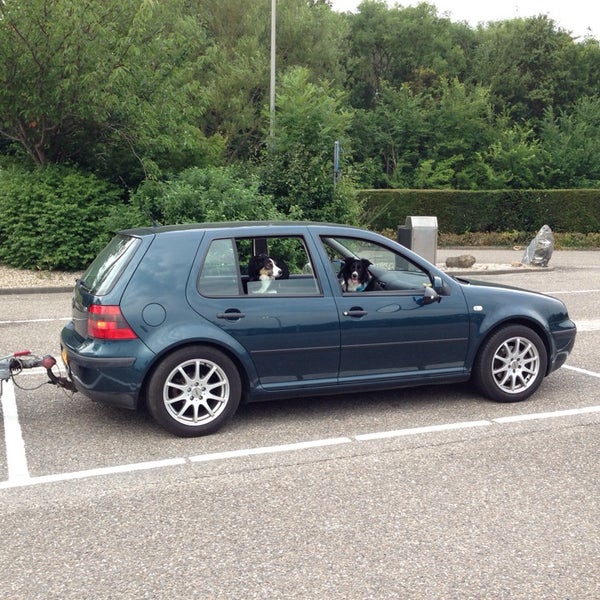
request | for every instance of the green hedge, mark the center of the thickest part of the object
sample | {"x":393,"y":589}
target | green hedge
{"x":54,"y":218}
{"x":499,"y":210}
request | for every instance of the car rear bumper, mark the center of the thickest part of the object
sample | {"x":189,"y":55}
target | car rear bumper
{"x":114,"y":379}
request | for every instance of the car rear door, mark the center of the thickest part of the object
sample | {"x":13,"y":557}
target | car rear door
{"x":290,"y":333}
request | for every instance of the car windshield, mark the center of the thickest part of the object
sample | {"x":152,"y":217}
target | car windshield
{"x":108,"y":265}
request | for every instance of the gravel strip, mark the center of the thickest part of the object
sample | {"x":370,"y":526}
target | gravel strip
{"x":23,"y":279}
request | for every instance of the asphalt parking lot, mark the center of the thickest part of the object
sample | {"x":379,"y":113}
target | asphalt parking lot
{"x":432,"y":492}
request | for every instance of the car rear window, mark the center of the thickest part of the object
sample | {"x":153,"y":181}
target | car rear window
{"x":109,"y":264}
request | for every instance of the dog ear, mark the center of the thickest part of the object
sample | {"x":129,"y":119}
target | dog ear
{"x":254,"y":266}
{"x":344,"y":264}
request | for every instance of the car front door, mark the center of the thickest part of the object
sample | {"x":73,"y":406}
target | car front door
{"x":394,"y":331}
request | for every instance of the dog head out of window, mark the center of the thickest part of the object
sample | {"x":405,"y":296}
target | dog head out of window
{"x":263,"y":267}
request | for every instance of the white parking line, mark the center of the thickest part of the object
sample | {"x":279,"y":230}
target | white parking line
{"x":556,"y":292}
{"x":21,"y":321}
{"x":130,"y":468}
{"x":379,"y":435}
{"x":16,"y":459}
{"x":294,"y":447}
{"x":582,"y":371}
{"x":570,"y":412}
{"x":589,"y":325}
{"x":270,"y":449}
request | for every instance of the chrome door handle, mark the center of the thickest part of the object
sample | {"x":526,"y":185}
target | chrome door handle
{"x":231,"y":315}
{"x":355,"y":312}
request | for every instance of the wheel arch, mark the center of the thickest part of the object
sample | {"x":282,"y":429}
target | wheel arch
{"x":242,"y":370}
{"x":532,"y":324}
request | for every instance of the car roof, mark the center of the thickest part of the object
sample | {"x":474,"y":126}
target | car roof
{"x":233,"y":225}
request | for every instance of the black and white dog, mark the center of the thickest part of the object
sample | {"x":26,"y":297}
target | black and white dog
{"x":354,"y":275}
{"x":266,"y":269}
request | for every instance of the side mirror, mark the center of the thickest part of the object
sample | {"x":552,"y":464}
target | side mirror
{"x":430,"y":296}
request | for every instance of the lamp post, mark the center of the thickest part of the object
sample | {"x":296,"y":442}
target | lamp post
{"x":273,"y":45}
{"x":337,"y":171}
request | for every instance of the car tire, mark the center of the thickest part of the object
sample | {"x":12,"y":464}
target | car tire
{"x":511,"y":364}
{"x":194,"y":391}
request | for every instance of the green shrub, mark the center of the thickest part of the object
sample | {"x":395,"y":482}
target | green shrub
{"x":55,"y":217}
{"x":576,"y":240}
{"x":201,"y":195}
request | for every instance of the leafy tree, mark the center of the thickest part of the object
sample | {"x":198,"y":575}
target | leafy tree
{"x":410,"y":45}
{"x":395,"y":134}
{"x":298,"y":165}
{"x":430,"y":141}
{"x":528,"y":65}
{"x":309,"y":34}
{"x":515,"y":159}
{"x":103,"y":83}
{"x":571,"y":142}
{"x":461,"y":125}
{"x":585,"y":63}
{"x":235,"y":83}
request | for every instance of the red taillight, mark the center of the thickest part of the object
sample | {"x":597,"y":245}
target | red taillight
{"x":108,"y":323}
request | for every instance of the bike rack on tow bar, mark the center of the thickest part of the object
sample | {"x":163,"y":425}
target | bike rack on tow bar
{"x":16,"y":363}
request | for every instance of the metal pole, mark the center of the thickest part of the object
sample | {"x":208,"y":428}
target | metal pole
{"x":337,"y":172}
{"x":273,"y":45}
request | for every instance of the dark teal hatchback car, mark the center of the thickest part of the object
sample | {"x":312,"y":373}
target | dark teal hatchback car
{"x":194,"y":319}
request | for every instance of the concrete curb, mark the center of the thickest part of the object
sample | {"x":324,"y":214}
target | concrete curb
{"x":36,"y":290}
{"x":496,"y":271}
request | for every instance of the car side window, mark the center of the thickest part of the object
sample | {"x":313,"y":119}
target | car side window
{"x":219,"y":275}
{"x":276,"y":265}
{"x":256,"y":266}
{"x":361,"y":265}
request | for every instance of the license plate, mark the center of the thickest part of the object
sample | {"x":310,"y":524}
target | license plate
{"x":65,"y":358}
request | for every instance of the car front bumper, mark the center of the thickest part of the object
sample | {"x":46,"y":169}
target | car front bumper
{"x":564,"y":341}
